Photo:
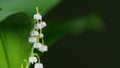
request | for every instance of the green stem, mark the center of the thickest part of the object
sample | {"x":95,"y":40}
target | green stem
{"x":40,"y":31}
{"x":37,"y":10}
{"x":22,"y":64}
{"x":31,"y":54}
{"x":28,"y":65}
{"x":42,"y":41}
{"x":35,"y":54}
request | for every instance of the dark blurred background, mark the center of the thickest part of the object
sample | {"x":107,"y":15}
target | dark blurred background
{"x":88,"y":49}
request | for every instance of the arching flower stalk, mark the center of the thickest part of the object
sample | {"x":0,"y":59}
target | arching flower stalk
{"x":35,"y":36}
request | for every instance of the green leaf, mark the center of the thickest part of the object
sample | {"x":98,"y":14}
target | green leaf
{"x":5,"y":14}
{"x":57,"y":29}
{"x":17,"y":48}
{"x":4,"y":63}
{"x":26,"y":6}
{"x":14,"y":32}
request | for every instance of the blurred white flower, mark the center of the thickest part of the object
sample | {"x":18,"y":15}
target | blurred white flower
{"x":37,"y":45}
{"x":43,"y":24}
{"x":34,"y":33}
{"x":32,"y":39}
{"x":32,"y":59}
{"x":40,"y":25}
{"x":37,"y":16}
{"x":44,"y":48}
{"x":38,"y":65}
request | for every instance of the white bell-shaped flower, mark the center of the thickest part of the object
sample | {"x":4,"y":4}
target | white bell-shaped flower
{"x":44,"y":48}
{"x":34,"y":33}
{"x":37,"y":45}
{"x":43,"y":24}
{"x":40,"y":25}
{"x":37,"y":16}
{"x":32,"y":59}
{"x":38,"y":65}
{"x":32,"y":39}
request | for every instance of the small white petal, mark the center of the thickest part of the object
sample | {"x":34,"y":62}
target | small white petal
{"x":32,"y":39}
{"x":38,"y":65}
{"x":32,"y":59}
{"x":44,"y":48}
{"x":34,"y":33}
{"x":37,"y":45}
{"x":37,"y":17}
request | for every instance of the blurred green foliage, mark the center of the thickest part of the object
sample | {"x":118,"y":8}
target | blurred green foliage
{"x":15,"y":25}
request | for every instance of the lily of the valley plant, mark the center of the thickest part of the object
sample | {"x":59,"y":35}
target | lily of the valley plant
{"x":36,"y":36}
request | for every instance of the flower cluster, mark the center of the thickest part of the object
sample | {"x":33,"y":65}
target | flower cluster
{"x":35,"y":36}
